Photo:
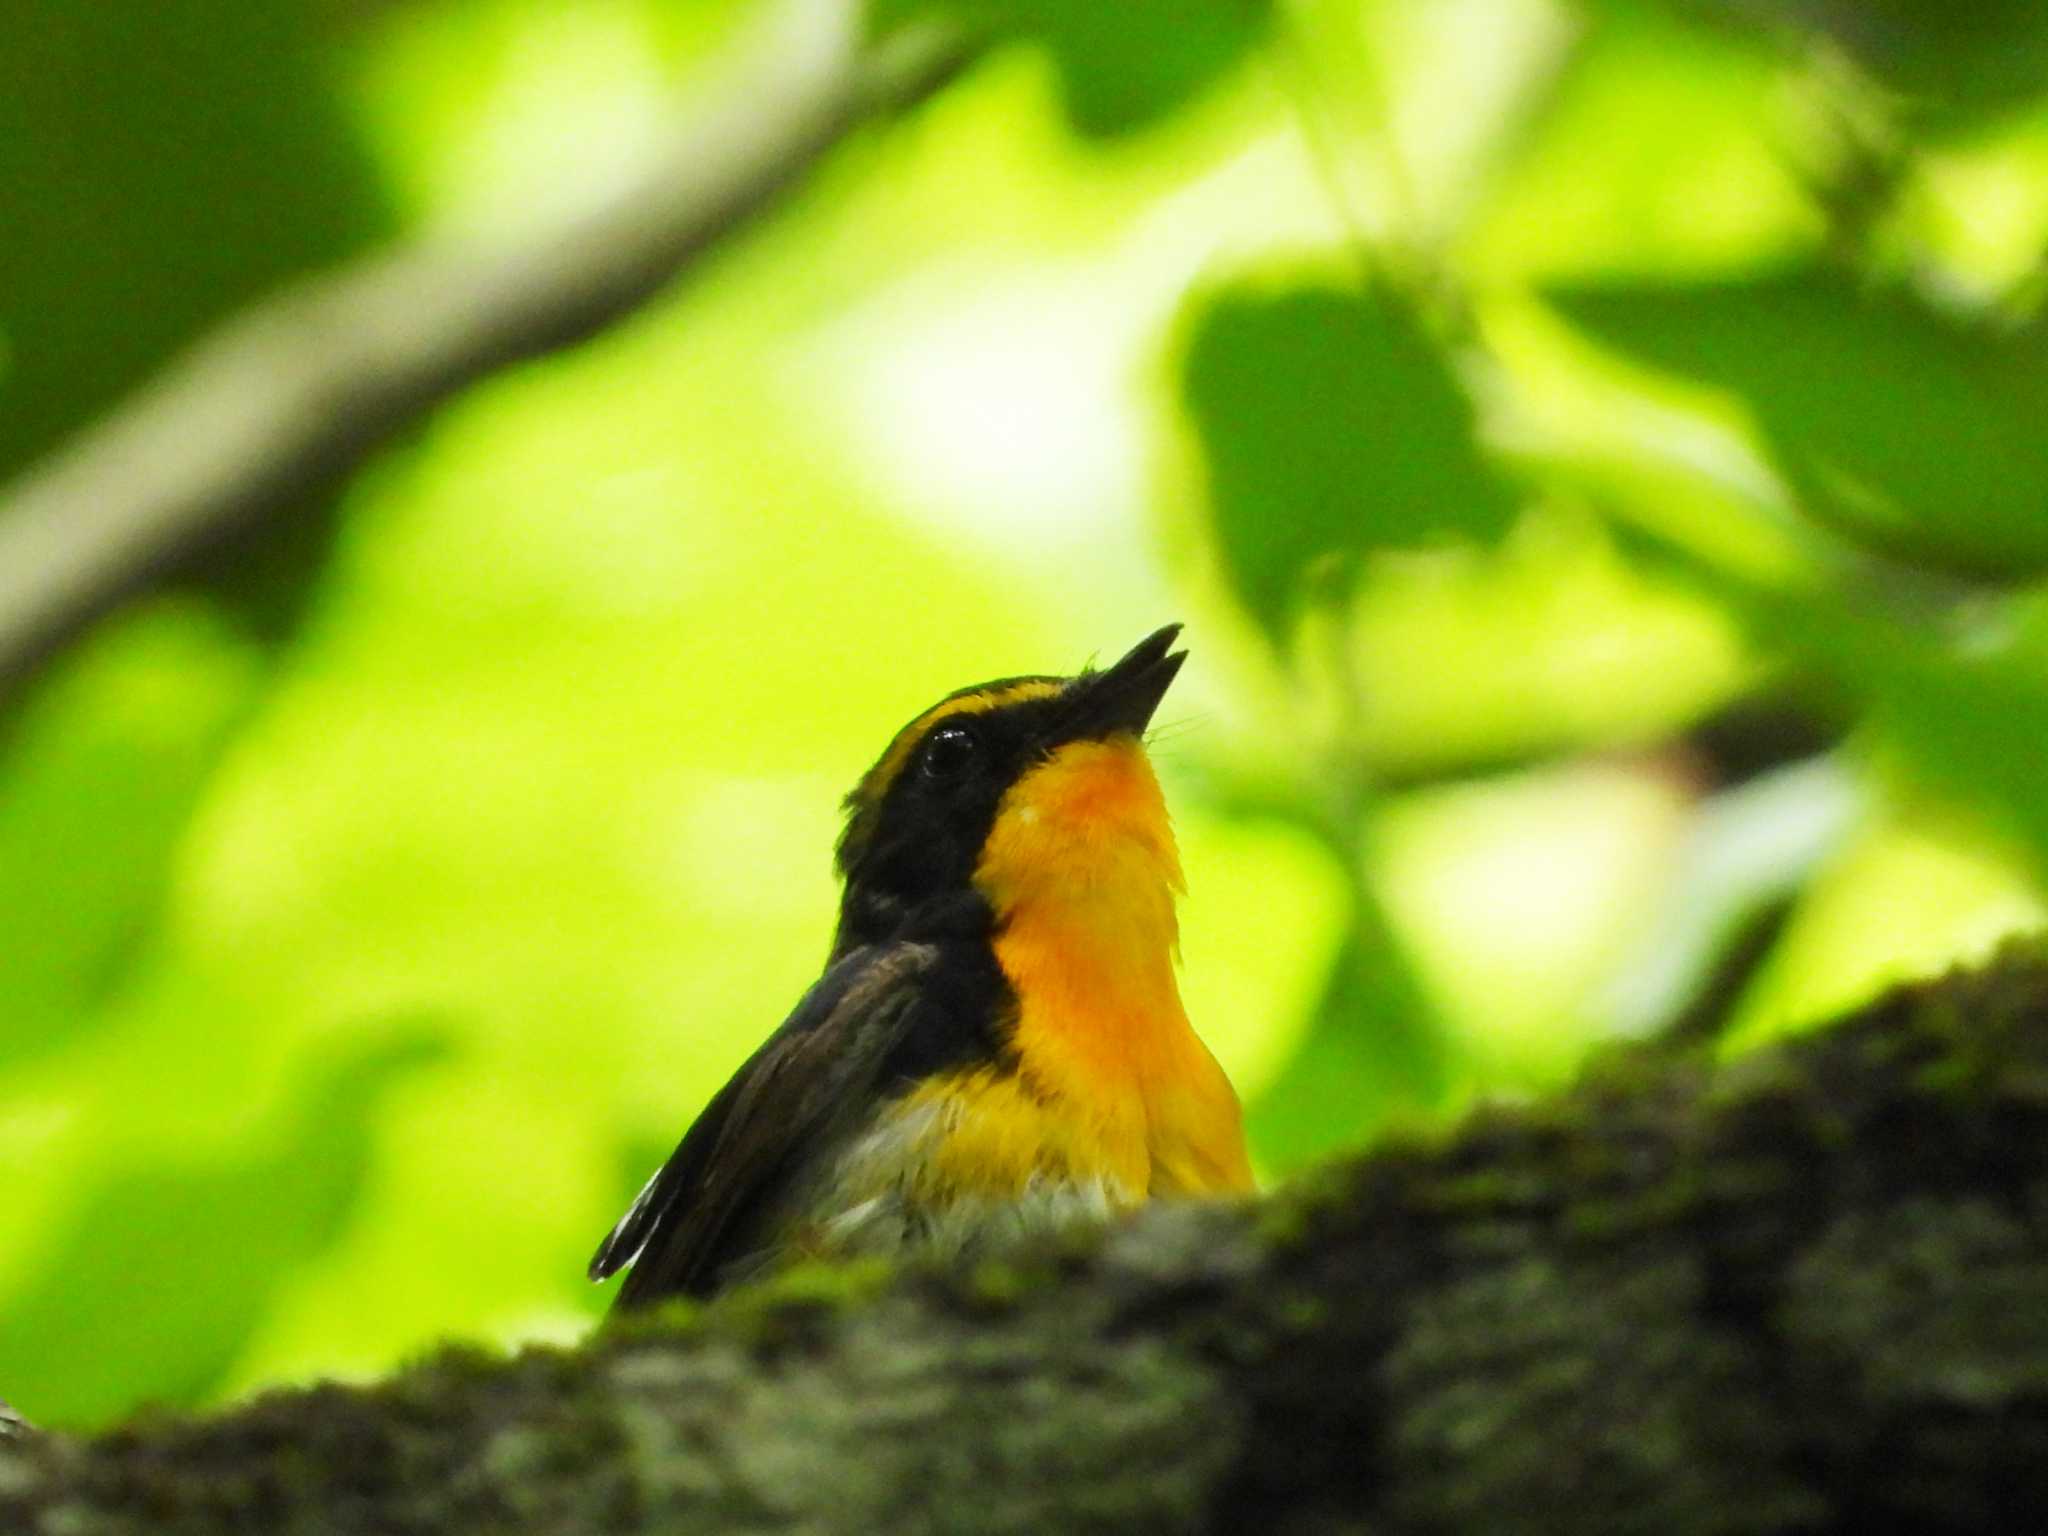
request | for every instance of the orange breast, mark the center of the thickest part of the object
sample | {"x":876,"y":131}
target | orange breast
{"x":1112,"y":1081}
{"x":1107,"y":1055}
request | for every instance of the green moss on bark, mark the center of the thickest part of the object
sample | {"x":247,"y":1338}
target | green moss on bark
{"x":1807,"y":1290}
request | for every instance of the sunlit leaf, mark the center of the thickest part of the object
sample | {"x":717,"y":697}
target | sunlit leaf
{"x":1912,"y":431}
{"x":1654,"y":148}
{"x":1332,"y":426}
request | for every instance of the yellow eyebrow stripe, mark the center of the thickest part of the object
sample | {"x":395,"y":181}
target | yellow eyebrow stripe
{"x":977,"y":702}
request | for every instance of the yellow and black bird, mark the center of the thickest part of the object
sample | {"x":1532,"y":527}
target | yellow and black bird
{"x":997,"y":1047}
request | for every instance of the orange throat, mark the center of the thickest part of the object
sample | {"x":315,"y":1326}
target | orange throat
{"x":1082,"y":872}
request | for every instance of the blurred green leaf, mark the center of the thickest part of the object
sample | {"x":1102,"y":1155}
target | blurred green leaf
{"x":159,"y":164}
{"x":1373,"y":1048}
{"x":165,"y":1273}
{"x":1656,"y":145}
{"x":1332,"y":426}
{"x":1122,"y":66}
{"x":105,"y":764}
{"x":1965,"y":720}
{"x":1953,"y":64}
{"x":1968,"y":724}
{"x":1912,"y":431}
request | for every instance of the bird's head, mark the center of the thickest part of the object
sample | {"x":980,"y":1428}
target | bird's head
{"x":1020,"y":790}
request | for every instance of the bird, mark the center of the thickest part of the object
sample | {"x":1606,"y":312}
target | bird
{"x":997,"y":1051}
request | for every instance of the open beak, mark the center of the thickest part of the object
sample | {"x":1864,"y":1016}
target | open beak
{"x":1124,"y":697}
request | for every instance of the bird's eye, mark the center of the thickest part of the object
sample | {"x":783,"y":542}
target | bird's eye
{"x":949,"y":751}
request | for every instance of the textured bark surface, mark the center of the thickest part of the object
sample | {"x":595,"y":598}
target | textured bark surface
{"x":1807,"y":1290}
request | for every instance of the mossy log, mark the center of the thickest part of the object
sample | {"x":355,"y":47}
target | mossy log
{"x":1806,"y":1290}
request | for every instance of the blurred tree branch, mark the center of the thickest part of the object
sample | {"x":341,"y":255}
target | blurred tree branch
{"x":1804,"y":1291}
{"x":300,"y":389}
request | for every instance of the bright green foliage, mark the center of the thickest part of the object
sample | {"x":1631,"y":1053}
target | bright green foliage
{"x":165,"y":1273}
{"x":99,"y":784}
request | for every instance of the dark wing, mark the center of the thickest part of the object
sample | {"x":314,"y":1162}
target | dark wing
{"x":808,"y":1083}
